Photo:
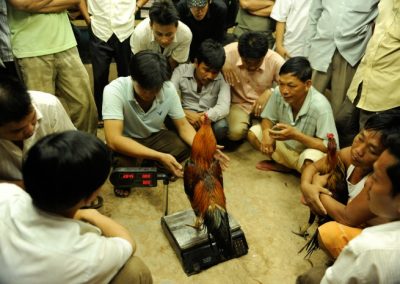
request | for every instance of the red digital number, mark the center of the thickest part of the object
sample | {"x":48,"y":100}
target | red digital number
{"x":146,"y":176}
{"x":128,"y":176}
{"x":146,"y":182}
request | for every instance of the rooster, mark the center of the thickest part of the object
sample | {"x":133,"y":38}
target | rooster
{"x":204,"y":187}
{"x":336,"y":183}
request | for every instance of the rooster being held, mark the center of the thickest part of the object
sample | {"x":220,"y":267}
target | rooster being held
{"x":336,"y":183}
{"x":204,"y":188}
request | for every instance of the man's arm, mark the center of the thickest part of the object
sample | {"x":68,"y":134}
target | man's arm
{"x":311,"y":192}
{"x":108,"y":227}
{"x":267,"y":145}
{"x":279,"y":35}
{"x":257,"y":7}
{"x":354,"y":214}
{"x":288,"y":132}
{"x":313,"y":17}
{"x":185,"y":130}
{"x":84,"y":11}
{"x":117,"y":142}
{"x":43,"y":6}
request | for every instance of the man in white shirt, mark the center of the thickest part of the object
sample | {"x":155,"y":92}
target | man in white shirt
{"x":109,"y":39}
{"x":372,"y":257}
{"x":164,"y":33}
{"x":46,"y":238}
{"x":25,"y":117}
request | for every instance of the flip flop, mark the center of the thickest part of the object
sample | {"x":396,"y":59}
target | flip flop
{"x":95,"y":204}
{"x":122,"y":192}
{"x":267,"y":165}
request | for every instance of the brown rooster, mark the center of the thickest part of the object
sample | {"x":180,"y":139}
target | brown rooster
{"x":336,"y":183}
{"x":204,"y":188}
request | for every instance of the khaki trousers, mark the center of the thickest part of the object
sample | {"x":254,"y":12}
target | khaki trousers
{"x":133,"y":272}
{"x":64,"y":75}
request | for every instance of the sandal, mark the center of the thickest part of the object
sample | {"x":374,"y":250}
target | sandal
{"x":122,"y":192}
{"x":95,"y":204}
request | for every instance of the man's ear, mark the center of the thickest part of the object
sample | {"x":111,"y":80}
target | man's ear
{"x":308,"y":83}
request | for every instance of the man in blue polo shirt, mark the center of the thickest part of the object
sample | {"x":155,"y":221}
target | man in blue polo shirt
{"x":134,"y":110}
{"x":295,"y":121}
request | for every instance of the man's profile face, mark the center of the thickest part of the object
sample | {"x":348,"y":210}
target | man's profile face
{"x":199,"y":13}
{"x":163,"y":34}
{"x":252,"y":64}
{"x":292,"y":89}
{"x":381,"y":201}
{"x":204,"y":73}
{"x":21,"y":130}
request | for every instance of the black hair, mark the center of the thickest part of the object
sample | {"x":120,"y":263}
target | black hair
{"x":299,"y":67}
{"x":163,"y":12}
{"x":386,"y":123}
{"x":15,"y":101}
{"x":393,"y":171}
{"x":63,"y":168}
{"x":150,"y":69}
{"x":212,"y":53}
{"x":253,"y":45}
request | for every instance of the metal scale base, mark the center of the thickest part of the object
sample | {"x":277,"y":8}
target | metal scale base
{"x":193,"y":247}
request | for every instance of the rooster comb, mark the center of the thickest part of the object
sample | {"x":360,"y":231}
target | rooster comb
{"x":330,"y":136}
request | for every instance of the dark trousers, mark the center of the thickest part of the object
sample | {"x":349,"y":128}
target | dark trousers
{"x":165,"y":141}
{"x":101,"y":54}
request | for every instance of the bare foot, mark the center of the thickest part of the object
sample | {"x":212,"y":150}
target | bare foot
{"x":266,"y":165}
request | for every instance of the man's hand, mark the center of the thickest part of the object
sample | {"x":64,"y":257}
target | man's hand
{"x":311,"y":193}
{"x":171,"y":164}
{"x":261,"y":102}
{"x":282,"y":132}
{"x":230,"y":75}
{"x":194,"y":118}
{"x":222,"y":158}
{"x":267,"y":145}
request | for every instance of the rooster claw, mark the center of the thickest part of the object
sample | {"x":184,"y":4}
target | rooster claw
{"x":301,"y":233}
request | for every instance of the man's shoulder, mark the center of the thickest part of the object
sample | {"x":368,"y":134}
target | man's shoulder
{"x":183,"y":32}
{"x":184,"y":70}
{"x":143,"y":28}
{"x":318,"y":100}
{"x":41,"y":98}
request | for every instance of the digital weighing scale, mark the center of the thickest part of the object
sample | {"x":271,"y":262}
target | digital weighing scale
{"x":193,"y":248}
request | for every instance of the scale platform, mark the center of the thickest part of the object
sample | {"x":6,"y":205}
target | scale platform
{"x":193,"y":247}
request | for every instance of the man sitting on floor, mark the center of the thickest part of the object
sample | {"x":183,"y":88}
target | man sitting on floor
{"x":203,"y":89}
{"x":46,"y":237}
{"x":295,"y":121}
{"x":372,"y":257}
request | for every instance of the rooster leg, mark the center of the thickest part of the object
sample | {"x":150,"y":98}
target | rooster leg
{"x":303,"y":231}
{"x":198,"y":224}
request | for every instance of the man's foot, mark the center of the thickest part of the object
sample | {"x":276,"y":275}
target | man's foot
{"x":122,"y":192}
{"x":267,"y":165}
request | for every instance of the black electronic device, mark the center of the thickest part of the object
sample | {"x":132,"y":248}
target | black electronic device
{"x":127,"y":177}
{"x":193,"y":247}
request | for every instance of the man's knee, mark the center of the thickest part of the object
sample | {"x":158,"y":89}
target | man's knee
{"x":134,"y":271}
{"x":237,"y":132}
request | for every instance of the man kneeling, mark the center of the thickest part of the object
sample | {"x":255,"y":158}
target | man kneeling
{"x":295,"y":121}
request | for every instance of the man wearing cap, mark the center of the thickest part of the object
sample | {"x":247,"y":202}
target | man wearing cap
{"x":164,"y":33}
{"x":205,"y":18}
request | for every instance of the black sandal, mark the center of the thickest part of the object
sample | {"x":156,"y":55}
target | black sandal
{"x":122,"y":192}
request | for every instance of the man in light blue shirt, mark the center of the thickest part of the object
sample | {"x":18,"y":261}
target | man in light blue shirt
{"x":295,"y":121}
{"x":338,"y":35}
{"x":203,"y":89}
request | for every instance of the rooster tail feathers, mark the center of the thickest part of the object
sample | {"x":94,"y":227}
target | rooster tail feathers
{"x":217,"y":222}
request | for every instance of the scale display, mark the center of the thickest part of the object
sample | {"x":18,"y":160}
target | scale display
{"x":134,"y":177}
